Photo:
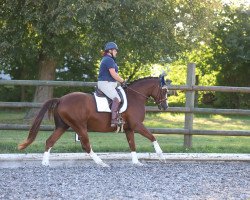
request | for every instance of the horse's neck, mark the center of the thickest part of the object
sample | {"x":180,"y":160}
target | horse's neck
{"x":143,"y":87}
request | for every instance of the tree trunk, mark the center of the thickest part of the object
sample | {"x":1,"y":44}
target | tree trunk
{"x":43,"y":93}
{"x":24,"y":76}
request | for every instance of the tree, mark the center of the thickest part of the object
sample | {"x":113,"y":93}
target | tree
{"x":40,"y":35}
{"x":231,"y":50}
{"x":42,"y":32}
{"x":205,"y":72}
{"x":30,"y":38}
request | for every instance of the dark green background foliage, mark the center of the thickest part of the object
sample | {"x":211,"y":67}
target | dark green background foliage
{"x":71,"y":34}
{"x":231,"y":53}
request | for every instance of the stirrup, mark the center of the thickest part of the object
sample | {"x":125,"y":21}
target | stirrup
{"x":114,"y":123}
{"x":118,"y":122}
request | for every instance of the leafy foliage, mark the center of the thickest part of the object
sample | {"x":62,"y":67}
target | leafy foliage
{"x":72,"y":33}
{"x":231,"y":50}
{"x":144,"y":30}
{"x":205,"y":73}
{"x":221,"y":60}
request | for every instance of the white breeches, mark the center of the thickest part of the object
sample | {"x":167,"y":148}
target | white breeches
{"x":108,"y":88}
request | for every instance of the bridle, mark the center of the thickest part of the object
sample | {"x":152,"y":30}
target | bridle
{"x":158,"y":96}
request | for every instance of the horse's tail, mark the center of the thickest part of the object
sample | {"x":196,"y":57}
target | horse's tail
{"x":49,"y":106}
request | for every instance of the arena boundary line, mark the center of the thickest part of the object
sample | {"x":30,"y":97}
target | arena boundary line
{"x":127,"y":156}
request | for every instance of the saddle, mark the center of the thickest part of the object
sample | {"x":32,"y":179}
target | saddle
{"x":103,"y":103}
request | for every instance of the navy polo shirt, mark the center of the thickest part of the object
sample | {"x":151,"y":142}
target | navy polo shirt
{"x":107,"y":63}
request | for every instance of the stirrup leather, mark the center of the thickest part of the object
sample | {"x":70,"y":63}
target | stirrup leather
{"x":118,"y":121}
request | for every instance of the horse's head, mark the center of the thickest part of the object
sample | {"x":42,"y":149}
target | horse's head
{"x":160,"y":92}
{"x":154,"y":87}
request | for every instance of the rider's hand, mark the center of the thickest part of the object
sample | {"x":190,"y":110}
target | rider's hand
{"x":124,"y":84}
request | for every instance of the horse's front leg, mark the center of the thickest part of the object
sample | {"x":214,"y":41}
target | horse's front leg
{"x":131,"y":142}
{"x":146,"y":133}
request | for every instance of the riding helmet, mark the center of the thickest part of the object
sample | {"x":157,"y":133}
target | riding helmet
{"x":110,"y":45}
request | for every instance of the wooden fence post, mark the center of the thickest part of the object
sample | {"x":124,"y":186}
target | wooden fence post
{"x":189,"y":104}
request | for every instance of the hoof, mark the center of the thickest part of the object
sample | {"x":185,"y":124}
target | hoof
{"x":138,"y":164}
{"x":102,"y":164}
{"x":45,"y":163}
{"x":162,"y":158}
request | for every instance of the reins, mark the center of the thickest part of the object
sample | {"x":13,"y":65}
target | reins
{"x":138,"y":92}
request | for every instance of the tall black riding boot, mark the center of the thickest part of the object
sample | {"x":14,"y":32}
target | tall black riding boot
{"x":114,"y":112}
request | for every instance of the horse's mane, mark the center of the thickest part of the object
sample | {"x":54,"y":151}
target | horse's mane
{"x":140,"y":79}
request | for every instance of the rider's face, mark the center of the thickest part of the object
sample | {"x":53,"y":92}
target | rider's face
{"x":114,"y":52}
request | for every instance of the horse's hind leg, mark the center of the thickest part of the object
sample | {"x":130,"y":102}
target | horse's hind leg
{"x":84,"y":139}
{"x":50,"y":143}
{"x":61,"y":127}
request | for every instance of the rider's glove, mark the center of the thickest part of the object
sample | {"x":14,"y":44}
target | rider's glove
{"x":124,"y":84}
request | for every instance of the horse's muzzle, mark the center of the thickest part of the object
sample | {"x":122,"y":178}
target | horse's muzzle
{"x":163,"y":106}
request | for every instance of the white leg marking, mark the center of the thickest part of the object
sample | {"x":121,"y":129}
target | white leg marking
{"x":135,"y":159}
{"x":45,"y":161}
{"x":97,"y":159}
{"x":158,"y":150}
{"x":157,"y":147}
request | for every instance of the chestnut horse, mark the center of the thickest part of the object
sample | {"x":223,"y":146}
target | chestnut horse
{"x":78,"y":111}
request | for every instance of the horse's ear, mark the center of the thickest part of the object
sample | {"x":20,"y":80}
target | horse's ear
{"x":162,"y":80}
{"x":163,"y":73}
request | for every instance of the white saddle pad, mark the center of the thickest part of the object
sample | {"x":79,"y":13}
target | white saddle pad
{"x":103,"y":106}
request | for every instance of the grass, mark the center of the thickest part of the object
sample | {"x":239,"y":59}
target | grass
{"x":204,"y":122}
{"x":116,"y":142}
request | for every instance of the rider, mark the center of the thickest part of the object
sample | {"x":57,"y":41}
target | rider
{"x":108,"y":79}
